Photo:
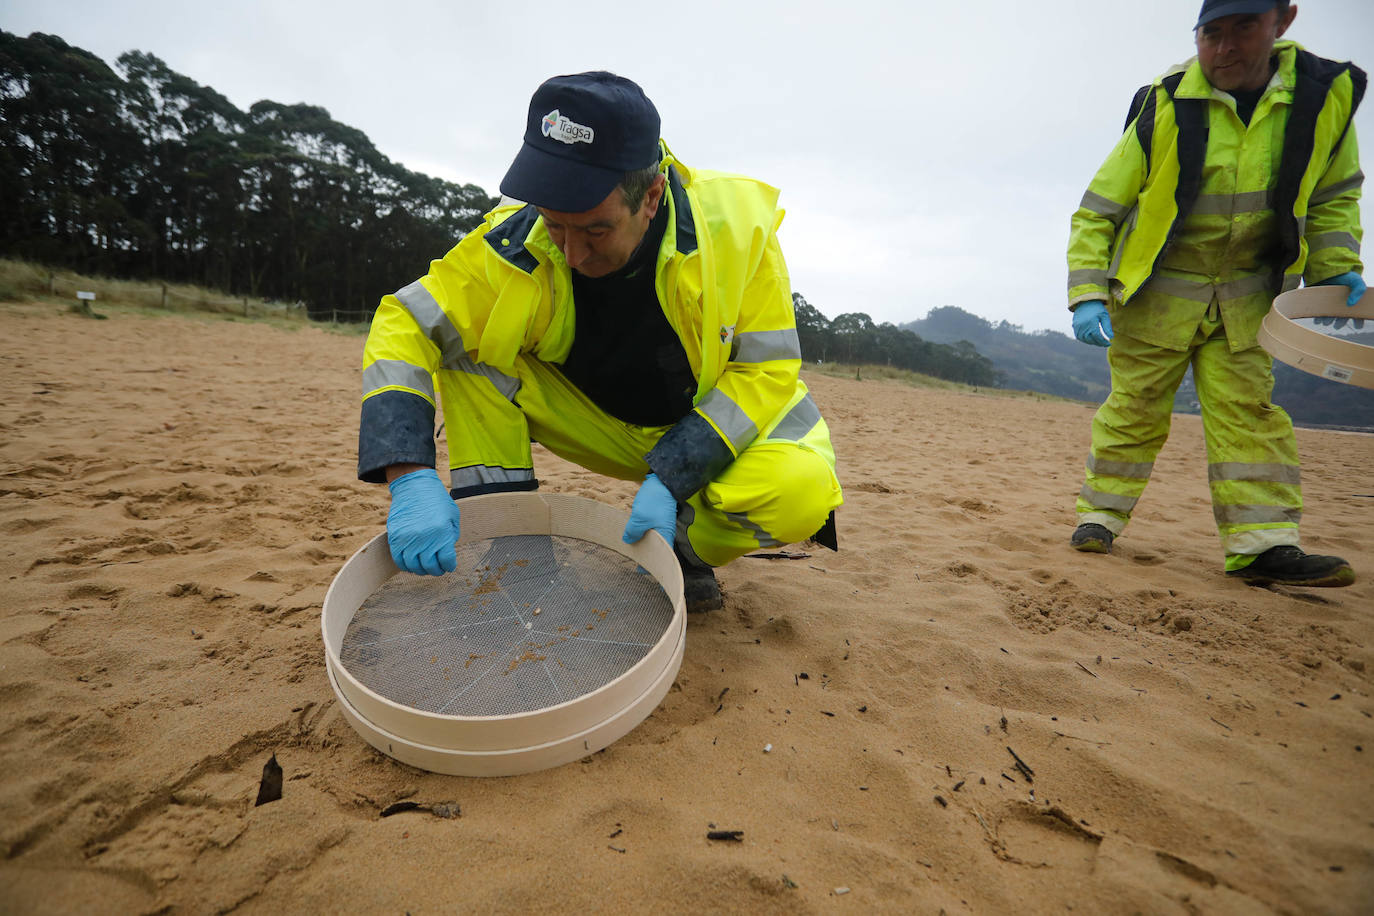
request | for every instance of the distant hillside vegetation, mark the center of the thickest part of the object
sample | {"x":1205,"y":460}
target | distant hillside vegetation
{"x":1056,"y":363}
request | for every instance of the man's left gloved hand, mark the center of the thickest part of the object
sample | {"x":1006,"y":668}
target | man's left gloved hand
{"x":1355,"y":283}
{"x":654,"y":507}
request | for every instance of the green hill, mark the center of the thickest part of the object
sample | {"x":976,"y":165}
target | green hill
{"x":1056,"y":363}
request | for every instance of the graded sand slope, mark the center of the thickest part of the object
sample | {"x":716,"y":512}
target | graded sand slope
{"x":176,"y":494}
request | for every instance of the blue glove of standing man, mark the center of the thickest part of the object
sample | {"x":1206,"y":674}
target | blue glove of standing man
{"x":654,"y":507}
{"x":1355,"y":283}
{"x":1092,"y":324}
{"x":422,"y":526}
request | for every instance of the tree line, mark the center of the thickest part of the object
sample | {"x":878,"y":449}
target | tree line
{"x":854,"y":338}
{"x":140,"y":172}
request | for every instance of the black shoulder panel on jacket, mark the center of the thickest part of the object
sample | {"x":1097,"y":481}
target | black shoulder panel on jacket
{"x":396,"y":427}
{"x":1145,"y":121}
{"x":508,"y":239}
{"x":1314,"y":78}
{"x":682,"y":212}
{"x":1191,"y":117}
{"x":1360,"y":80}
{"x":1137,"y":103}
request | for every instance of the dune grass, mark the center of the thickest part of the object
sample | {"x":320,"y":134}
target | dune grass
{"x":25,"y":281}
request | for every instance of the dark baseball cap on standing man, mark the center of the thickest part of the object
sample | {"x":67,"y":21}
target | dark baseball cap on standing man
{"x":583,"y":133}
{"x":1215,"y":9}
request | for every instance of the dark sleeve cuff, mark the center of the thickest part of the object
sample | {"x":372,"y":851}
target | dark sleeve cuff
{"x":396,"y":428}
{"x":689,"y":456}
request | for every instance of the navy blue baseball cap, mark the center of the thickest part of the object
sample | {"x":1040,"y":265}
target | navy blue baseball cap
{"x":1215,"y":9}
{"x":584,"y":131}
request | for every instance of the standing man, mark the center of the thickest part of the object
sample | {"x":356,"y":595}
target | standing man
{"x":635,"y":317}
{"x":1237,"y":177}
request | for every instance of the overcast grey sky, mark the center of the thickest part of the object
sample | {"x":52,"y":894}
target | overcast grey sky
{"x":928,"y":154}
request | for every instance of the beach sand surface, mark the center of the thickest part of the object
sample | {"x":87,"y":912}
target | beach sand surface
{"x":177,"y":493}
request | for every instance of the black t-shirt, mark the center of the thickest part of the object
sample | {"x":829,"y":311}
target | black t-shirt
{"x":625,"y":355}
{"x":1247,"y":99}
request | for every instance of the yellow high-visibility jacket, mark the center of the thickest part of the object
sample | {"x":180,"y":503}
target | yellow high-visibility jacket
{"x":505,"y":289}
{"x":1183,"y":141}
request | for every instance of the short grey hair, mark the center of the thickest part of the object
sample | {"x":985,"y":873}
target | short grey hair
{"x":636,"y":184}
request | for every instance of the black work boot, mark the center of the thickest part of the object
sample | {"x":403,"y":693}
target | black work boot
{"x":700,"y":591}
{"x":1288,"y":565}
{"x":1092,"y":538}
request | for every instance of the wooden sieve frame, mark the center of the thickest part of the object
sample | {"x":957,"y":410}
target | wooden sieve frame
{"x":1311,"y":350}
{"x":523,"y":742}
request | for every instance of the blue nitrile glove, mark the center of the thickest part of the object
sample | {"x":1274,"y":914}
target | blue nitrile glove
{"x":654,"y":507}
{"x":422,"y":526}
{"x":1092,"y":324}
{"x":1355,"y":283}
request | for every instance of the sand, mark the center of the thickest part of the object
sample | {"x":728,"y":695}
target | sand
{"x":177,"y":493}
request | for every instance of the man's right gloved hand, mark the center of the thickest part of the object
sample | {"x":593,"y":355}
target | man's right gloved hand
{"x":1092,"y":324}
{"x":422,"y":526}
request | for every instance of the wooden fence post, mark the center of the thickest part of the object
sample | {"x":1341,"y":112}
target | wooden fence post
{"x":164,"y":295}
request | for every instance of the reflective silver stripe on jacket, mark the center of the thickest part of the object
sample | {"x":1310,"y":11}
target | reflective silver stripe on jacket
{"x":1180,"y":288}
{"x":1087,"y":276}
{"x":1256,"y":515}
{"x":762,"y":346}
{"x":396,"y":373}
{"x":1099,"y":500}
{"x":1196,"y":291}
{"x":1240,"y":470}
{"x":1331,"y":192}
{"x":508,"y":385}
{"x":1245,"y":286}
{"x":1103,"y":207}
{"x":1231,"y":204}
{"x":729,"y":418}
{"x":1138,"y":470}
{"x":800,"y":420}
{"x":1338,"y":239}
{"x":477,"y":474}
{"x":432,"y":321}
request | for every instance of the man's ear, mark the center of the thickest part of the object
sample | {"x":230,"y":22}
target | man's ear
{"x":654,"y":196}
{"x":1286,"y":20}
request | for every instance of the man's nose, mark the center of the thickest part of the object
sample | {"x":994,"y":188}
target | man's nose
{"x":574,"y":251}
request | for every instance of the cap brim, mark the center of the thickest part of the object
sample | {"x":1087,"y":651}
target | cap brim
{"x":555,"y":183}
{"x":1237,"y":8}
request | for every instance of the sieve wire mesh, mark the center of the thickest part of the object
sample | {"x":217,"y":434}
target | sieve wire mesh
{"x":526,"y":622}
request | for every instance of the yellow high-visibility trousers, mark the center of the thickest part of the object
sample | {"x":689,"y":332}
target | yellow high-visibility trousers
{"x":779,"y":490}
{"x":1252,"y":455}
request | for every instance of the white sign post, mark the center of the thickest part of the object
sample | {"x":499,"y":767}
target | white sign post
{"x":83,"y":304}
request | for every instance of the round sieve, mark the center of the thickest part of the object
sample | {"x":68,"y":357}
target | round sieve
{"x":1310,"y":350}
{"x":551,"y":640}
